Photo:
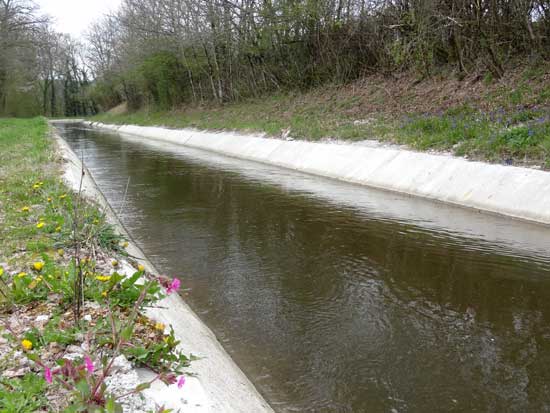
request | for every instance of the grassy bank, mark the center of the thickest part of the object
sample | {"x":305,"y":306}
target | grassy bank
{"x":498,"y":121}
{"x":67,"y":309}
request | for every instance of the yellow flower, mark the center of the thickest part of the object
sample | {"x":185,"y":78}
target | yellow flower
{"x":124,"y":244}
{"x":38,"y":265}
{"x":114,"y":263}
{"x":63,"y":196}
{"x":40,"y":225}
{"x":60,"y":252}
{"x":103,"y":278}
{"x":1,"y":271}
{"x":141,"y":267}
{"x":35,"y":282}
{"x":36,"y":186}
{"x":27,"y":344}
{"x":104,"y":294}
{"x":96,"y":221}
{"x":58,"y":229}
{"x":49,"y":199}
{"x":22,"y":274}
{"x":25,"y":209}
{"x":159,"y":326}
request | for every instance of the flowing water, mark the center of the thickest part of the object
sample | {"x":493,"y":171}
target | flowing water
{"x":338,"y":298}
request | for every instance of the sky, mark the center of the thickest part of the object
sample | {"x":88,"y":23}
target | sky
{"x":74,"y":16}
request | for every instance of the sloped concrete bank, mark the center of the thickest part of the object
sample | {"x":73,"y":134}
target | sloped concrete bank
{"x":216,"y":384}
{"x":506,"y":190}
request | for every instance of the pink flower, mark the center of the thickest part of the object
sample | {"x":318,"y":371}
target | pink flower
{"x":48,"y":375}
{"x":174,"y":286}
{"x":181,"y":381}
{"x":89,"y":364}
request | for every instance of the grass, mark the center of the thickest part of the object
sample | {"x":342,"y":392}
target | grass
{"x":506,"y":121}
{"x":25,"y":159}
{"x":272,"y":115}
{"x":50,"y":239}
{"x":22,"y":395}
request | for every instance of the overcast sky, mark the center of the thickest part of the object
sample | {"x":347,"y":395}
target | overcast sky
{"x":74,"y":16}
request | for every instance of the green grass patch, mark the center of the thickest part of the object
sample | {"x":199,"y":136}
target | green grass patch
{"x":56,"y":256}
{"x":513,"y":132}
{"x":22,"y":395}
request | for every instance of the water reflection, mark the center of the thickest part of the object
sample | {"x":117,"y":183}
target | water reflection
{"x":334,"y":297}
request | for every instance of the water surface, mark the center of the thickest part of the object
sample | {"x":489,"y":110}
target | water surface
{"x":334,"y":297}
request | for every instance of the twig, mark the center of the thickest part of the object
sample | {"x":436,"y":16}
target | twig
{"x":124,"y":197}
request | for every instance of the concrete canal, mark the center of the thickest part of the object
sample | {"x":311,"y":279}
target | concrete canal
{"x":337,"y":297}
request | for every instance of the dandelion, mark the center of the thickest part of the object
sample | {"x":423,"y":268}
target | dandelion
{"x":141,"y":267}
{"x":40,"y":224}
{"x":89,"y":365}
{"x":181,"y":381}
{"x":27,"y":344}
{"x":36,"y":186}
{"x":63,"y":196}
{"x":104,"y":294}
{"x":48,"y":375}
{"x":49,"y":199}
{"x":58,"y":229}
{"x":114,"y":263}
{"x":103,"y":278}
{"x":159,"y":326}
{"x":38,"y":265}
{"x":25,"y":209}
{"x":1,"y":271}
{"x":22,"y":274}
{"x":174,"y":286}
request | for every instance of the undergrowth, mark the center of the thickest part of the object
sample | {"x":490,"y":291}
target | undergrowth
{"x":505,"y":121}
{"x":61,"y":286}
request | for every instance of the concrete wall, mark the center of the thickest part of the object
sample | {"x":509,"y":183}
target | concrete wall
{"x":516,"y":192}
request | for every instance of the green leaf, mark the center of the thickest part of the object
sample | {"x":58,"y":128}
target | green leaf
{"x":127,"y":332}
{"x":84,"y":389}
{"x":142,"y":386}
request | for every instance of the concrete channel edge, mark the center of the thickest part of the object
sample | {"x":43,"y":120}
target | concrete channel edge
{"x":216,"y":384}
{"x":516,"y":192}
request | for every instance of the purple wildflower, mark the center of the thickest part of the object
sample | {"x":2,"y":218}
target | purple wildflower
{"x":48,"y":375}
{"x":89,"y":364}
{"x":174,"y":286}
{"x":181,"y":381}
